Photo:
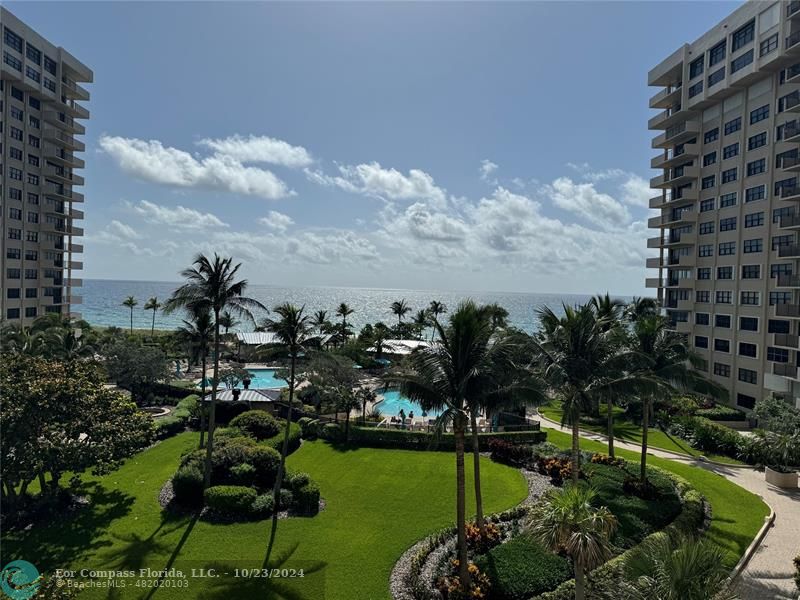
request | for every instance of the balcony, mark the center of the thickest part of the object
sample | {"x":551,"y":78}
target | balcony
{"x":784,"y":370}
{"x":72,"y":282}
{"x":75,"y":214}
{"x":75,"y":110}
{"x":667,"y":118}
{"x":71,"y":89}
{"x":792,"y":43}
{"x":791,"y":311}
{"x":670,"y":220}
{"x":789,"y":251}
{"x":653,"y":283}
{"x":789,"y":281}
{"x":667,"y":97}
{"x":790,"y":222}
{"x":63,"y":174}
{"x":76,"y":248}
{"x":675,"y":177}
{"x":62,"y":121}
{"x":792,"y":103}
{"x":61,"y":156}
{"x":688,"y":194}
{"x":76,"y":231}
{"x":793,"y":10}
{"x":64,"y":139}
{"x":789,"y":192}
{"x":677,"y":134}
{"x":654,"y":262}
{"x":791,"y":132}
{"x":672,"y":158}
{"x":790,"y":163}
{"x":76,"y":265}
{"x":786,"y":340}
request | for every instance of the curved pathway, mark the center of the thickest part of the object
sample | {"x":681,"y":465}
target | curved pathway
{"x":769,"y":573}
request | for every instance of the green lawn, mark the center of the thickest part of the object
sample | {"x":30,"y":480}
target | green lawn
{"x":379,"y":502}
{"x":627,"y":431}
{"x":737,"y":514}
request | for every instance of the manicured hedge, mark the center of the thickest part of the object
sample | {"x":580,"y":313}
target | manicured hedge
{"x":522,"y":568}
{"x":721,"y":413}
{"x":256,"y":423}
{"x":187,"y":485}
{"x":170,"y":391}
{"x":375,"y":437}
{"x":233,"y":500}
{"x":295,"y":438}
{"x":708,"y":436}
{"x":306,"y":499}
{"x":177,"y":421}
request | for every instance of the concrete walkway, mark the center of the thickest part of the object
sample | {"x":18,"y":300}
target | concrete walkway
{"x":769,"y":574}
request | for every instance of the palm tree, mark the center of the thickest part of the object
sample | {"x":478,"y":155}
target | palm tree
{"x":380,"y":333}
{"x":566,"y":520}
{"x":228,"y":321}
{"x":291,"y":329}
{"x":401,"y":309}
{"x":498,"y":316}
{"x":676,"y":568}
{"x":153,"y":304}
{"x":344,"y":311}
{"x":198,"y":332}
{"x":435,"y":309}
{"x":130,"y":302}
{"x":669,"y":366}
{"x":420,"y":321}
{"x":641,"y":307}
{"x":607,"y":309}
{"x":442,"y":377}
{"x":212,"y":285}
{"x":320,"y":318}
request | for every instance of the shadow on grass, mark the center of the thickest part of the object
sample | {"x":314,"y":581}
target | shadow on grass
{"x":69,"y":536}
{"x":134,"y":550}
{"x":176,"y":551}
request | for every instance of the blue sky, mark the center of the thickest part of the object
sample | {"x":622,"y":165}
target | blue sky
{"x":479,"y":146}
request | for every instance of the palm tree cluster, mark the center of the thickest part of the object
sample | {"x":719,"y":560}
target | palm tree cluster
{"x":51,"y":336}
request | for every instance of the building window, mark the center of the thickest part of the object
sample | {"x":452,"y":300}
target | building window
{"x":723,"y":297}
{"x":15,"y":153}
{"x":747,"y":324}
{"x":33,"y":179}
{"x":750,"y":298}
{"x":724,"y":272}
{"x":702,"y":296}
{"x":705,"y":250}
{"x":32,"y":255}
{"x":779,"y":213}
{"x":777,"y":355}
{"x":707,"y":205}
{"x":769,"y":44}
{"x":700,"y":341}
{"x":777,"y":270}
{"x":728,"y":224}
{"x":14,"y":62}
{"x":722,"y":345}
{"x":756,"y":141}
{"x":34,"y":122}
{"x":748,"y":376}
{"x":695,"y":89}
{"x":17,"y":94}
{"x":753,"y":246}
{"x":12,"y":313}
{"x":706,"y":228}
{"x":743,"y":36}
{"x":15,"y":174}
{"x":12,"y":293}
{"x":733,"y":125}
{"x":727,"y":248}
{"x":780,"y":298}
{"x":50,"y":85}
{"x":33,"y":217}
{"x":12,"y":39}
{"x":50,"y":65}
{"x":31,"y":292}
{"x":778,"y":326}
{"x":729,"y":175}
{"x":16,"y":113}
{"x":727,"y":200}
{"x":33,"y":160}
{"x":13,"y":274}
{"x":704,"y":273}
{"x":695,"y":67}
{"x":708,"y":182}
{"x":33,"y":198}
{"x":14,"y":194}
{"x":722,"y":370}
{"x":15,"y":214}
{"x":716,"y":54}
{"x":742,"y":61}
{"x":757,"y":166}
{"x":731,"y":150}
{"x":755,"y":193}
{"x":716,"y":77}
{"x":32,"y":73}
{"x":754,"y":219}
{"x":723,"y":321}
{"x":33,"y":53}
{"x":709,"y":159}
{"x":711,"y":136}
{"x":745,"y":401}
{"x":14,"y":233}
{"x":759,"y":114}
{"x":701,"y":319}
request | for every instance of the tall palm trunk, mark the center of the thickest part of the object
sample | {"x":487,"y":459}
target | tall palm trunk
{"x":212,"y":412}
{"x":576,"y":441}
{"x":580,"y":586}
{"x":610,"y":425}
{"x":645,"y":428}
{"x":202,"y":401}
{"x":153,"y":324}
{"x":131,"y":320}
{"x":476,"y":462}
{"x":276,"y":490}
{"x":461,"y":516}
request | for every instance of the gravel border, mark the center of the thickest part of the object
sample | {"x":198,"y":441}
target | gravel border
{"x":401,"y":572}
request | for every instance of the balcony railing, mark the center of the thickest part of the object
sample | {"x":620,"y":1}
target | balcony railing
{"x":786,"y":340}
{"x":789,"y":191}
{"x":790,"y":221}
{"x":789,"y":251}
{"x":788,"y":280}
{"x":793,"y":40}
{"x":793,"y":8}
{"x":787,"y":310}
{"x":785,"y":370}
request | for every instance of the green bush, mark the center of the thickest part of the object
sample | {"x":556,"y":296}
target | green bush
{"x":262,"y":506}
{"x":295,"y":439}
{"x":376,"y":437}
{"x":298,"y":480}
{"x":187,"y":485}
{"x":168,"y":426}
{"x":306,"y":499}
{"x":708,"y":436}
{"x":233,"y":500}
{"x":285,"y":499}
{"x":721,"y":413}
{"x":309,"y":432}
{"x":256,"y":423}
{"x":266,"y":462}
{"x":522,"y":568}
{"x":243,"y":474}
{"x":331,"y":432}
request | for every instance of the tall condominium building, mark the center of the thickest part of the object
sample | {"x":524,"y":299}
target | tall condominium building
{"x":39,"y":121}
{"x":729,"y":200}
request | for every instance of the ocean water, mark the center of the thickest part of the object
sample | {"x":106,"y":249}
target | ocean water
{"x":102,"y":302}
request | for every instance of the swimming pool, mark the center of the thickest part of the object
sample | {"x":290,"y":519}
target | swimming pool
{"x":264,"y":379}
{"x":393,"y":401}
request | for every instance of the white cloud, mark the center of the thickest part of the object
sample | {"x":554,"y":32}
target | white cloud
{"x":636,"y":191}
{"x":179,"y":217}
{"x":121,"y":230}
{"x":371,"y":179}
{"x":277,"y":221}
{"x":152,"y":161}
{"x":486,"y":169}
{"x":260,"y":149}
{"x":583,"y":200}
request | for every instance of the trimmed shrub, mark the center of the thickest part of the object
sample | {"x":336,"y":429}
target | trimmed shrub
{"x":708,"y":436}
{"x":522,"y":568}
{"x":332,"y":432}
{"x":187,"y":485}
{"x":298,"y":480}
{"x":243,"y":474}
{"x":256,"y":423}
{"x":166,"y":427}
{"x":309,"y":431}
{"x":306,"y":499}
{"x":266,"y":462}
{"x":285,"y":499}
{"x":509,"y":453}
{"x":295,"y":439}
{"x":233,"y":500}
{"x":262,"y":506}
{"x":375,"y":437}
{"x":721,"y":413}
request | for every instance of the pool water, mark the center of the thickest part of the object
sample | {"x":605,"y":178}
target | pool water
{"x":264,"y":379}
{"x":393,"y":401}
